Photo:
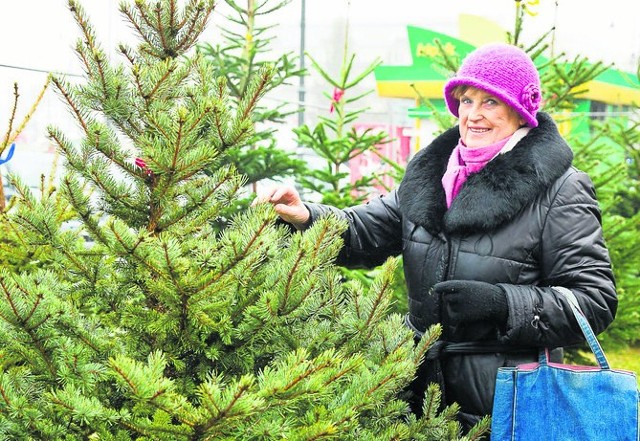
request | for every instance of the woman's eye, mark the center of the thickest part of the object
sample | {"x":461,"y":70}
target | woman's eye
{"x":465,"y":100}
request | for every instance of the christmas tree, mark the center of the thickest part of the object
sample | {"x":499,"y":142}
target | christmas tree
{"x":160,"y":326}
{"x":335,"y":143}
{"x":610,"y":154}
{"x":242,"y":48}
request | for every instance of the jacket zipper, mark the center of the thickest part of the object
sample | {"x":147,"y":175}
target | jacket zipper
{"x":445,"y":261}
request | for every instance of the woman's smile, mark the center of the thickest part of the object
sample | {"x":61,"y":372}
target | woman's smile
{"x":484,"y":119}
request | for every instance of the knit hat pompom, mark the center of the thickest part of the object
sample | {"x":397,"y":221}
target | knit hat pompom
{"x":504,"y":71}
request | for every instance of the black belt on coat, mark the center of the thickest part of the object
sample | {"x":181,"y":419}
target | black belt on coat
{"x":442,"y":348}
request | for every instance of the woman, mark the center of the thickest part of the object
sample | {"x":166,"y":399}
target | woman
{"x":489,"y":218}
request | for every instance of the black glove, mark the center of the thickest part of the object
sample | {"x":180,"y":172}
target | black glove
{"x":466,"y":301}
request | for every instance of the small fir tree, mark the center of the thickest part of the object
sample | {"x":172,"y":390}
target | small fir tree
{"x":607,"y":151}
{"x":161,"y":327}
{"x":243,"y":50}
{"x":335,"y":142}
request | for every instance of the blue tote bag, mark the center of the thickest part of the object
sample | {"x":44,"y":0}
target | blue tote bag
{"x":559,"y":402}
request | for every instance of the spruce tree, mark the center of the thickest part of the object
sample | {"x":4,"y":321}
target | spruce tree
{"x":610,"y":154}
{"x":238,"y":52}
{"x":607,"y":151}
{"x":161,"y":327}
{"x":335,"y":142}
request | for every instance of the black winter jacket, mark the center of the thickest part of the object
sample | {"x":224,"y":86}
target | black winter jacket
{"x":528,"y":221}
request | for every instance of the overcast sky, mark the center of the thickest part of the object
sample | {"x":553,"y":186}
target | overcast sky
{"x":38,"y":35}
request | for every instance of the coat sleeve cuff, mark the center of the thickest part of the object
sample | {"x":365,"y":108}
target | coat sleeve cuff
{"x":523,"y":323}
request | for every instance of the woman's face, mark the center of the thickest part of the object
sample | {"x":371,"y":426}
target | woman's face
{"x":484,"y":119}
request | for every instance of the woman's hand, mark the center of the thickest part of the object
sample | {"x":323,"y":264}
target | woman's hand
{"x":467,"y":301}
{"x":287,"y":203}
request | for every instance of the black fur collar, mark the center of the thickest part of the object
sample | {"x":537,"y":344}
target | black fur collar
{"x":491,"y":197}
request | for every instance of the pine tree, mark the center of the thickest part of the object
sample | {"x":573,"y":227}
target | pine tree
{"x":161,"y":327}
{"x":607,"y":151}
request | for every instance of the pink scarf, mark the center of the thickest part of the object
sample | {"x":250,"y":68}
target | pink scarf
{"x":465,"y":161}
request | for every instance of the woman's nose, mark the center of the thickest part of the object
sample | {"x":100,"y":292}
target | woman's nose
{"x":475,"y":112}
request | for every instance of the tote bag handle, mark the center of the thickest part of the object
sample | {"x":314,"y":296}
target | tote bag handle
{"x":593,"y":342}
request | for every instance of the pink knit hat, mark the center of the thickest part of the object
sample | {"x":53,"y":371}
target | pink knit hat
{"x":504,"y":71}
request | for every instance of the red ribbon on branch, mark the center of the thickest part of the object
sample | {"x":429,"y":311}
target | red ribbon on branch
{"x":143,"y":165}
{"x":337,"y":96}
